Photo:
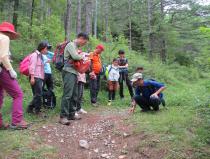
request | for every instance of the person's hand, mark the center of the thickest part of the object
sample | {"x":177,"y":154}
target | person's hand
{"x":92,"y":75}
{"x":13,"y":74}
{"x":32,"y":81}
{"x":132,"y":110}
{"x":154,"y":95}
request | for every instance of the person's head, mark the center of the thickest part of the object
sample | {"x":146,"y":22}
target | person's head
{"x":137,"y":79}
{"x":115,"y":62}
{"x":99,"y":49}
{"x":139,"y":69}
{"x":43,"y":47}
{"x":121,"y":53}
{"x":8,"y":29}
{"x":82,"y":39}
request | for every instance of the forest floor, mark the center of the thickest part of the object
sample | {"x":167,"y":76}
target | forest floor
{"x":110,"y":134}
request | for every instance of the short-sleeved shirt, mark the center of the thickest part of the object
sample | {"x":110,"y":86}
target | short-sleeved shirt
{"x":122,"y":62}
{"x":149,"y":88}
{"x":96,"y":62}
{"x":47,"y":68}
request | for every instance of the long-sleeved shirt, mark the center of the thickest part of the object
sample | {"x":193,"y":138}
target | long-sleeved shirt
{"x":4,"y":51}
{"x":71,"y":53}
{"x":36,"y":65}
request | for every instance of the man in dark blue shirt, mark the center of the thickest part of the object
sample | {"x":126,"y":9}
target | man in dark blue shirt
{"x":148,"y":93}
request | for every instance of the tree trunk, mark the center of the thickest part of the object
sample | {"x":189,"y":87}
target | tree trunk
{"x":96,"y":18}
{"x":42,"y":10}
{"x":15,"y":13}
{"x":31,"y":20}
{"x":106,"y":19}
{"x":88,"y":10}
{"x":130,"y":24}
{"x":68,"y":21}
{"x":150,"y":48}
{"x":79,"y":25}
{"x":162,"y":38}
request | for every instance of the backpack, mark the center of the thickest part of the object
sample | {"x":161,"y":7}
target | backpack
{"x":49,"y":99}
{"x":24,"y":65}
{"x":58,"y":58}
{"x":107,"y":72}
{"x":82,"y":66}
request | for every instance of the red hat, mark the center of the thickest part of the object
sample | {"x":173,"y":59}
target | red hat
{"x":101,"y":47}
{"x":9,"y":28}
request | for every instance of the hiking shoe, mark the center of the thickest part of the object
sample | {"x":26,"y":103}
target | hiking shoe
{"x":64,"y":121}
{"x":4,"y":126}
{"x":81,"y":111}
{"x":109,"y":103}
{"x":19,"y":126}
{"x":75,"y":117}
{"x":94,"y":104}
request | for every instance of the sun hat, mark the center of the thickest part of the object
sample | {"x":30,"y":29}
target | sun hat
{"x":9,"y":28}
{"x":136,"y":77}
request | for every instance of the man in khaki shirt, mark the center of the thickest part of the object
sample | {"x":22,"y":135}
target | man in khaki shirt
{"x":69,"y":74}
{"x":8,"y":77}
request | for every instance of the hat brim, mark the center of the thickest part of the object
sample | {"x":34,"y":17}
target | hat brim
{"x":134,"y":80}
{"x":12,"y":34}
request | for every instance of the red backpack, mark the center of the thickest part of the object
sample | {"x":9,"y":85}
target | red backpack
{"x":58,"y":58}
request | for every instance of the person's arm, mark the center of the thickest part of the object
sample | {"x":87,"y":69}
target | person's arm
{"x":126,"y":66}
{"x":161,"y":87}
{"x":73,"y":52}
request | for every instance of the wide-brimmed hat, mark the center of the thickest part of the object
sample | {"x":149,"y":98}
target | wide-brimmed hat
{"x":9,"y":28}
{"x":136,"y":77}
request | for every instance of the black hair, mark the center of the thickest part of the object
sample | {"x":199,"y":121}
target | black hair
{"x":121,"y":52}
{"x":83,"y":35}
{"x":139,"y":68}
{"x":42,"y":45}
{"x":115,"y":59}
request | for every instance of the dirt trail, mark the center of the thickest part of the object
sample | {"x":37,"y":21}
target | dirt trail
{"x":107,"y":134}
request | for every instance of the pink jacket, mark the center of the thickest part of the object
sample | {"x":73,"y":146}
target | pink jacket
{"x":36,"y":65}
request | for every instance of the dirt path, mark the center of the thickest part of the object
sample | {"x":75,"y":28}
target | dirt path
{"x":107,"y":133}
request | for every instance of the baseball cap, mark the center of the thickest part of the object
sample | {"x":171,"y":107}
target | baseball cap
{"x":136,"y":76}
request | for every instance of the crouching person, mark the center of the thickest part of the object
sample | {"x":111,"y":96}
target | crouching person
{"x":148,"y":93}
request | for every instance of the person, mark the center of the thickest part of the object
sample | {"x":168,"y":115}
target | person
{"x":123,"y":66}
{"x":148,"y":93}
{"x":113,"y":77}
{"x":95,"y":69}
{"x":69,"y":75}
{"x":81,"y":83}
{"x":48,"y":79}
{"x":8,"y":80}
{"x":140,"y":69}
{"x":36,"y":77}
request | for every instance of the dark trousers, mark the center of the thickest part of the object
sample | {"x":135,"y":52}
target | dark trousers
{"x":48,"y":81}
{"x":36,"y":102}
{"x":80,"y":95}
{"x":94,"y":88}
{"x":70,"y":93}
{"x":146,"y":104}
{"x":112,"y":95}
{"x":124,"y":77}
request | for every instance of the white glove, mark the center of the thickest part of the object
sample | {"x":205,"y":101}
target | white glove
{"x":12,"y":73}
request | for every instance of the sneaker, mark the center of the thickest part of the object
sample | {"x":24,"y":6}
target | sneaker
{"x":75,"y":117}
{"x":19,"y":126}
{"x":81,"y":111}
{"x":94,"y":104}
{"x":109,"y":103}
{"x":64,"y":121}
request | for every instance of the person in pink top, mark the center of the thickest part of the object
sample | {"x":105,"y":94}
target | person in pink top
{"x":8,"y":77}
{"x":36,"y":76}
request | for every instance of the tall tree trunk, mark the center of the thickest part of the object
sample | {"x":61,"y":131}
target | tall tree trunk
{"x":162,"y":38}
{"x":31,"y":19}
{"x":88,"y":11}
{"x":149,"y":5}
{"x":42,"y":10}
{"x":96,"y":18}
{"x":15,"y":13}
{"x":130,"y":23}
{"x":106,"y":19}
{"x":68,"y":21}
{"x":79,"y":25}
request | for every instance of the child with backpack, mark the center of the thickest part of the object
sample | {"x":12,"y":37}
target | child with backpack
{"x":113,"y":75}
{"x":36,"y":76}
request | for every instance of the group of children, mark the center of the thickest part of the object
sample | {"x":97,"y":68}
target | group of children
{"x":147,"y":93}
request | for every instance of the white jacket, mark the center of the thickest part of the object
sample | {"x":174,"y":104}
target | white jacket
{"x":114,"y":74}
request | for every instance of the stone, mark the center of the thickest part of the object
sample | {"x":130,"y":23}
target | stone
{"x":84,"y":144}
{"x":122,"y":157}
{"x":105,"y":155}
{"x":96,"y":150}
